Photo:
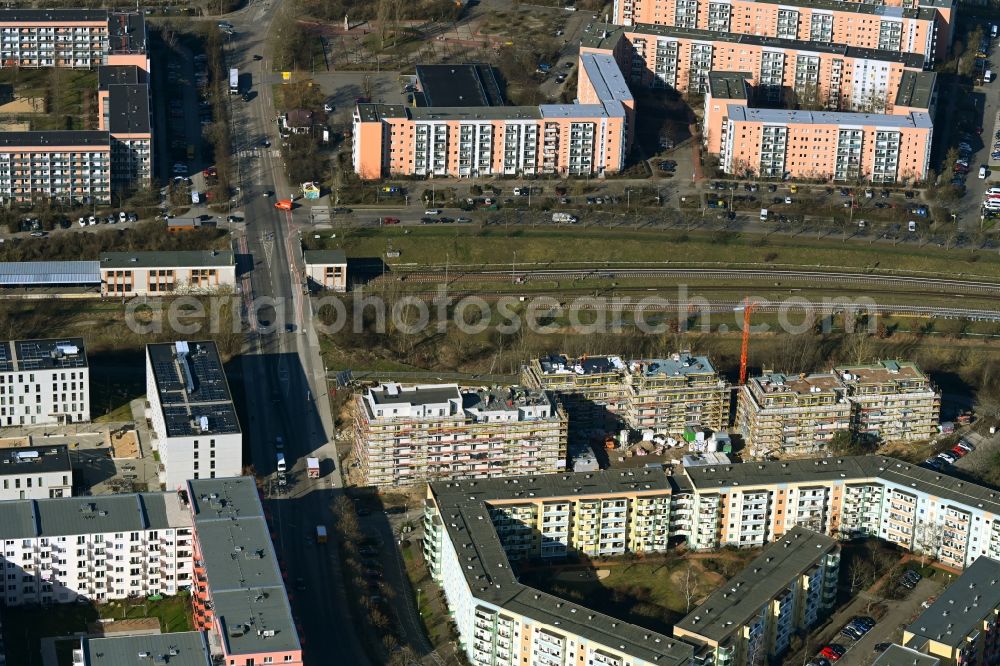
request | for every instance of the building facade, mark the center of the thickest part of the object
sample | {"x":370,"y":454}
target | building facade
{"x":197,"y":432}
{"x":669,"y":395}
{"x":126,"y":274}
{"x":44,"y":381}
{"x":326,"y":269}
{"x":99,"y":548}
{"x":405,"y":435}
{"x":784,"y":591}
{"x":33,"y":472}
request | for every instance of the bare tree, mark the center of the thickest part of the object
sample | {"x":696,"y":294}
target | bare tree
{"x":690,"y":587}
{"x":858,"y":573}
{"x":927,"y":540}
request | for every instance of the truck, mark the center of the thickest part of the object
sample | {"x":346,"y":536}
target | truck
{"x":564,"y":217}
{"x":234,"y":81}
{"x":321,"y":534}
{"x":312,"y":468}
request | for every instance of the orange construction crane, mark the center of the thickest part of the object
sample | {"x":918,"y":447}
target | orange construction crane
{"x":748,"y":309}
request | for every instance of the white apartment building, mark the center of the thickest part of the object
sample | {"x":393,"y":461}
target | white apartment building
{"x":100,"y":548}
{"x":43,"y":382}
{"x":197,"y":432}
{"x":36,"y":472}
{"x":410,"y":434}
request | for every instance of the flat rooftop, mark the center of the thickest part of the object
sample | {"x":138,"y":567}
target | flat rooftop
{"x":606,"y":77}
{"x":459,"y":85}
{"x":126,"y":32}
{"x":192,"y":388}
{"x":585,"y":365}
{"x":898,"y":655}
{"x":51,"y":354}
{"x":680,"y":365}
{"x":168,"y":259}
{"x":848,"y":6}
{"x":52,"y":15}
{"x":464,"y":507}
{"x":884,"y":372}
{"x":128,"y":109}
{"x":916,"y":89}
{"x":507,"y":398}
{"x":776,"y":383}
{"x":916,"y":119}
{"x":726,"y":610}
{"x":728,"y":85}
{"x":185,"y":648}
{"x":421,"y":394}
{"x":321,"y":257}
{"x":245,"y":583}
{"x":80,"y":139}
{"x":35,"y":460}
{"x":109,"y":75}
{"x":45,"y":273}
{"x":68,"y":516}
{"x":961,"y":609}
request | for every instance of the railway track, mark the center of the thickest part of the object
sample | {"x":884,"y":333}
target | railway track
{"x":840,"y":279}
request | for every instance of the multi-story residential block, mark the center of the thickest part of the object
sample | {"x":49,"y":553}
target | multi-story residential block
{"x":777,"y":413}
{"x":460,"y":128}
{"x":326,"y":269}
{"x":126,"y":274}
{"x":668,"y":395}
{"x":36,"y":472}
{"x":64,"y":164}
{"x":786,"y":589}
{"x":124,"y":100}
{"x":411,"y":434}
{"x":197,"y":432}
{"x":473,"y":527}
{"x":889,"y":401}
{"x":892,"y":400}
{"x":238,"y":593}
{"x":44,"y":381}
{"x":593,"y":389}
{"x":923,"y":27}
{"x":99,"y":548}
{"x":897,"y":655}
{"x":181,"y":648}
{"x":961,"y":626}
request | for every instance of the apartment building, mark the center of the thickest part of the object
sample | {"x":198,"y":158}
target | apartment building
{"x":100,"y":548}
{"x":326,"y":269}
{"x":786,"y":589}
{"x":502,"y":621}
{"x":960,"y":627}
{"x":411,"y":434}
{"x":892,"y":400}
{"x":889,"y":401}
{"x":126,"y":274}
{"x":125,"y":112}
{"x":68,"y":165}
{"x":458,"y":129}
{"x":197,"y":432}
{"x":668,"y":395}
{"x":923,"y":27}
{"x":777,"y":413}
{"x":238,"y":593}
{"x":592,"y":388}
{"x":834,"y":76}
{"x":36,"y":472}
{"x":180,"y":648}
{"x":44,"y":381}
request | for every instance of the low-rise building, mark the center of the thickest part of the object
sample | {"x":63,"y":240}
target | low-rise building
{"x":961,"y":626}
{"x":36,"y":472}
{"x":326,"y":269}
{"x":785,"y":590}
{"x":44,"y":381}
{"x":239,"y":594}
{"x":197,"y":432}
{"x":411,"y":434}
{"x":100,"y":548}
{"x":897,"y":655}
{"x":125,"y":274}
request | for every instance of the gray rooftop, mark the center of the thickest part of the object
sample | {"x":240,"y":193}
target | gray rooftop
{"x":79,"y":139}
{"x":465,"y":515}
{"x":585,"y":365}
{"x":459,"y":85}
{"x":608,"y":108}
{"x":193,"y":391}
{"x":324,"y":257}
{"x":52,"y":15}
{"x":108,"y":75}
{"x":738,"y":112}
{"x":606,"y":77}
{"x":916,"y":89}
{"x":40,"y":273}
{"x":51,"y":354}
{"x":605,"y":36}
{"x":67,"y":516}
{"x":244,"y":580}
{"x":128,"y":109}
{"x":683,"y":365}
{"x":848,"y":6}
{"x":728,"y":85}
{"x":186,"y":648}
{"x":126,"y":32}
{"x":35,"y":460}
{"x":898,"y":655}
{"x":376,"y":112}
{"x":167,"y":259}
{"x":962,"y":608}
{"x":726,"y":610}
{"x":415,"y":395}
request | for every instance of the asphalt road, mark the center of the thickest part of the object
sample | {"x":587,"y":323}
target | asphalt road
{"x":283,"y":374}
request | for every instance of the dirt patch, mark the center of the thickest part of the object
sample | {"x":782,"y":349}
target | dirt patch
{"x":146,"y":625}
{"x":15,"y":127}
{"x":15,"y":442}
{"x":125,"y":444}
{"x":24,"y":105}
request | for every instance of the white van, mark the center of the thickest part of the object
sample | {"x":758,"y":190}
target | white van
{"x":911,"y":226}
{"x":195,"y":197}
{"x":763,"y":215}
{"x":982,"y":172}
{"x":281,"y":463}
{"x":988,"y":76}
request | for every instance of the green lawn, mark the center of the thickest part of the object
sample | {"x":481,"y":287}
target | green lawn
{"x":495,"y":246}
{"x":174,"y":613}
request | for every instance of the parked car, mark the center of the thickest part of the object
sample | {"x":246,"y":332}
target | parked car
{"x":948,"y":457}
{"x":965,"y":446}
